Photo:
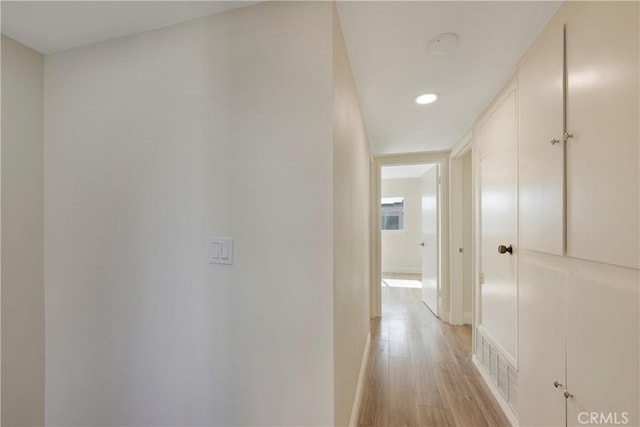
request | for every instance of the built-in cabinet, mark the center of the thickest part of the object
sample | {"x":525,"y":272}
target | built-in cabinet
{"x":578,"y":248}
{"x":579,"y":135}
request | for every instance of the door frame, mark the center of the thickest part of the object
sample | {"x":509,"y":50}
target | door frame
{"x":456,"y":308}
{"x":440,"y":158}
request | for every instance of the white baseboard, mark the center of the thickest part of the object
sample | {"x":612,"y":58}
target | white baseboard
{"x":467,"y":318}
{"x":496,"y":393}
{"x":355,"y":410}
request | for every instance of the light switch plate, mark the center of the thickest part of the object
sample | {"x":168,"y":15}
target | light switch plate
{"x":221,"y":250}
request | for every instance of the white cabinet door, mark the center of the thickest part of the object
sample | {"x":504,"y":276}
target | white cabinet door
{"x":429,"y":187}
{"x":602,"y":114}
{"x":498,"y":166}
{"x":541,"y":349}
{"x":602,"y":343}
{"x":541,"y":149}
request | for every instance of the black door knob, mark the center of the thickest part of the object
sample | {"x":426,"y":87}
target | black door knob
{"x":502,"y":249}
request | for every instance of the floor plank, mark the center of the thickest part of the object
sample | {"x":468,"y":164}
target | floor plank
{"x":430,"y":392}
{"x":486,"y":403}
{"x":431,"y":416}
{"x":464,"y":407}
{"x":374,"y":409}
{"x":398,"y":338}
{"x":403,"y":397}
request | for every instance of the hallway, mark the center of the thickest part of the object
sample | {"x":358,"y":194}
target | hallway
{"x":420,"y":371}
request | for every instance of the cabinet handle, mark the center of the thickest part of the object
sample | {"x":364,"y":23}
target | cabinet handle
{"x":567,"y":395}
{"x":556,"y":384}
{"x":554,"y":141}
{"x":502,"y":249}
{"x":566,"y":136}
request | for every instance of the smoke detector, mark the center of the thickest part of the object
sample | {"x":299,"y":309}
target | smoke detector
{"x":443,"y":44}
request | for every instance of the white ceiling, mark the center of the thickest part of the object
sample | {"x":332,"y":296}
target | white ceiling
{"x":404,"y":171}
{"x":387,"y":44}
{"x":52,"y":26}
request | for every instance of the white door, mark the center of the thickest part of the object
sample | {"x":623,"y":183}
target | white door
{"x":429,"y":243}
{"x":467,"y":238}
{"x":498,"y":163}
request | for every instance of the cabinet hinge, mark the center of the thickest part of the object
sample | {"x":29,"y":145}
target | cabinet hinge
{"x":481,"y":278}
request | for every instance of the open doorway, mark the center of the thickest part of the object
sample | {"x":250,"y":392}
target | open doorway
{"x":462,"y":231}
{"x":409,"y":233}
{"x":466,"y":250}
{"x":408,"y":239}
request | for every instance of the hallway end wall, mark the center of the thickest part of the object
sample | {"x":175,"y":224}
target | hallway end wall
{"x":401,"y":252}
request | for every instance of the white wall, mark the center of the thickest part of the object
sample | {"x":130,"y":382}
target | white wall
{"x":401,"y":252}
{"x":467,"y":214}
{"x":351,"y":233}
{"x":282,"y":213}
{"x":23,"y":351}
{"x":154,"y":143}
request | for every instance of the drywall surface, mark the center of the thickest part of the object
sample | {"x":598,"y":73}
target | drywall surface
{"x":282,"y":213}
{"x":401,"y":248}
{"x":155,"y":143}
{"x":23,"y":327}
{"x":351,"y":232}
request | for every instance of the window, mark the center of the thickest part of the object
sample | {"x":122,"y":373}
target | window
{"x":392,"y":211}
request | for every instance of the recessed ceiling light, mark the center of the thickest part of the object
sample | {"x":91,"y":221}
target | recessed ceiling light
{"x":427,"y":98}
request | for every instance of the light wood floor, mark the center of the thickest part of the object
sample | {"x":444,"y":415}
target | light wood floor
{"x":420,"y":371}
{"x":402,"y":276}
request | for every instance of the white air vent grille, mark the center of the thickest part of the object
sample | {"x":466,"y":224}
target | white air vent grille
{"x":502,"y":373}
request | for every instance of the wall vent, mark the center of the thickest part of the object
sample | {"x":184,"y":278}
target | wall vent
{"x":502,"y":373}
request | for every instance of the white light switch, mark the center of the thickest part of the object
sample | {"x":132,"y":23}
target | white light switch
{"x":215,"y":250}
{"x":221,"y":250}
